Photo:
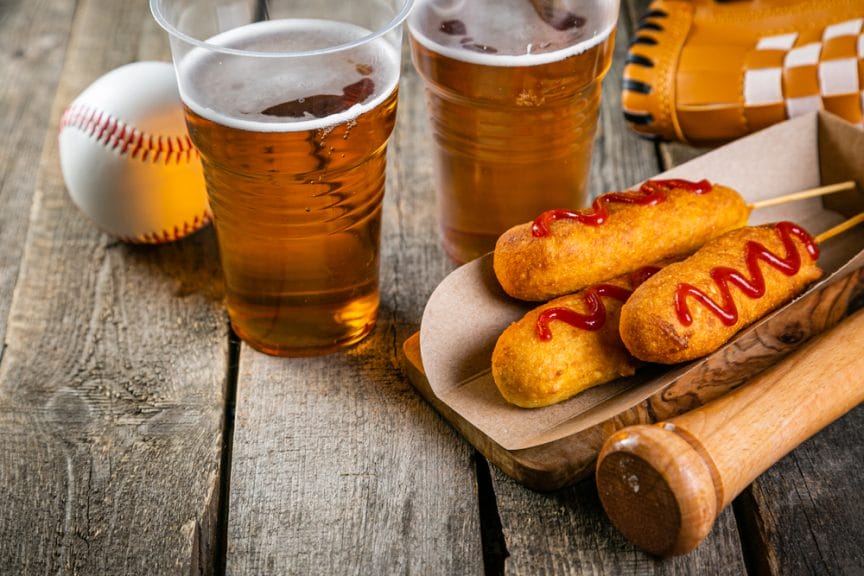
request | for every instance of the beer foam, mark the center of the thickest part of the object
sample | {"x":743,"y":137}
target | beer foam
{"x":513,"y":28}
{"x":233,"y":89}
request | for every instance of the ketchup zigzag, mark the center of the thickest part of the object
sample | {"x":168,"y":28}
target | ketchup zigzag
{"x":753,"y":287}
{"x":595,"y":319}
{"x":650,"y":193}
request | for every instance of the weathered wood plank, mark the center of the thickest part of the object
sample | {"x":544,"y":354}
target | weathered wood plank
{"x":33,"y":38}
{"x":361,"y":476}
{"x":111,"y":387}
{"x":567,"y":532}
{"x":804,"y":515}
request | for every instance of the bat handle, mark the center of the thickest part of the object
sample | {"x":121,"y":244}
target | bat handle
{"x":664,"y":485}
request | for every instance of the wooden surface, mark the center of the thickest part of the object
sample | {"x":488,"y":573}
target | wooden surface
{"x":136,"y":437}
{"x":115,"y":358}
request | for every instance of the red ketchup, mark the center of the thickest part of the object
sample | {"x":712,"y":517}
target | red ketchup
{"x":753,"y":287}
{"x":650,"y":193}
{"x":595,"y":319}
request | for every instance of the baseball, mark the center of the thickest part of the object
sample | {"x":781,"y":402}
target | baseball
{"x":127,"y":159}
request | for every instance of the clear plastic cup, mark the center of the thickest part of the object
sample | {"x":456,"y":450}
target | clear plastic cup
{"x":291,"y":108}
{"x":513,"y":93}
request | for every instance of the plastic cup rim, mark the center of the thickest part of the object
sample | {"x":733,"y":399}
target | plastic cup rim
{"x":396,"y":21}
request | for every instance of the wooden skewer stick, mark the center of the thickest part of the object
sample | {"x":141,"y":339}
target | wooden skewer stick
{"x":803,"y":195}
{"x":840,"y":228}
{"x":664,"y":485}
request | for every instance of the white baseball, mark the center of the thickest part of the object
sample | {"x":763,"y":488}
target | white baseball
{"x":127,"y":158}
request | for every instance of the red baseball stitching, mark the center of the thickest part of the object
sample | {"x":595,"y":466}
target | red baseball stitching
{"x":116,"y":134}
{"x":175,"y":233}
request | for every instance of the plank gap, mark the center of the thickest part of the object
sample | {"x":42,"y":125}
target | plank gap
{"x":754,"y":549}
{"x":662,"y":164}
{"x":491,"y":531}
{"x":221,"y":548}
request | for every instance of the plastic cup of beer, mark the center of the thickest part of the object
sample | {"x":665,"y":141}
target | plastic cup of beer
{"x":291,"y":104}
{"x":513,"y":93}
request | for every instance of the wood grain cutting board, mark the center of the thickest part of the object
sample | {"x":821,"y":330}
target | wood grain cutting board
{"x":562,"y":462}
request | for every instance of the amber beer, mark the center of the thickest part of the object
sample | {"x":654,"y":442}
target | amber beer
{"x":294,"y":162}
{"x":513,"y":93}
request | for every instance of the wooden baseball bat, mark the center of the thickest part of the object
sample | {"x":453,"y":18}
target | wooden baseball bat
{"x":664,"y":485}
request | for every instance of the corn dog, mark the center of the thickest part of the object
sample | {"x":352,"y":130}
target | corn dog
{"x":565,"y":346}
{"x":564,"y":251}
{"x":691,"y":308}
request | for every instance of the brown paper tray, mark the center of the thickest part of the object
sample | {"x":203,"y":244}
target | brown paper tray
{"x":553,"y":447}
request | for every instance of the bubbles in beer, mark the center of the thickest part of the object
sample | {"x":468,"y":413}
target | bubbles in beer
{"x":557,"y":16}
{"x":453,"y":27}
{"x":512,"y":32}
{"x":480,"y":48}
{"x":322,"y":105}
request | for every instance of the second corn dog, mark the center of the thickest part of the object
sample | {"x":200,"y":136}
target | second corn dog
{"x":691,"y":308}
{"x":566,"y":345}
{"x":564,"y":251}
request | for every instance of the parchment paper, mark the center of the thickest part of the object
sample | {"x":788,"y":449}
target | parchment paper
{"x":468,"y":310}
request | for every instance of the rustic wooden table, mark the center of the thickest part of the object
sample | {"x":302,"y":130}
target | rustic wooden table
{"x":138,"y":437}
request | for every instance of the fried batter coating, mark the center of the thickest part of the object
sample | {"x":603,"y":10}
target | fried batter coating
{"x":682,"y":312}
{"x":532,"y":372}
{"x":574,"y":255}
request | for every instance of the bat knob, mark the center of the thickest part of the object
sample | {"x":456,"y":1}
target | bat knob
{"x":659,"y":488}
